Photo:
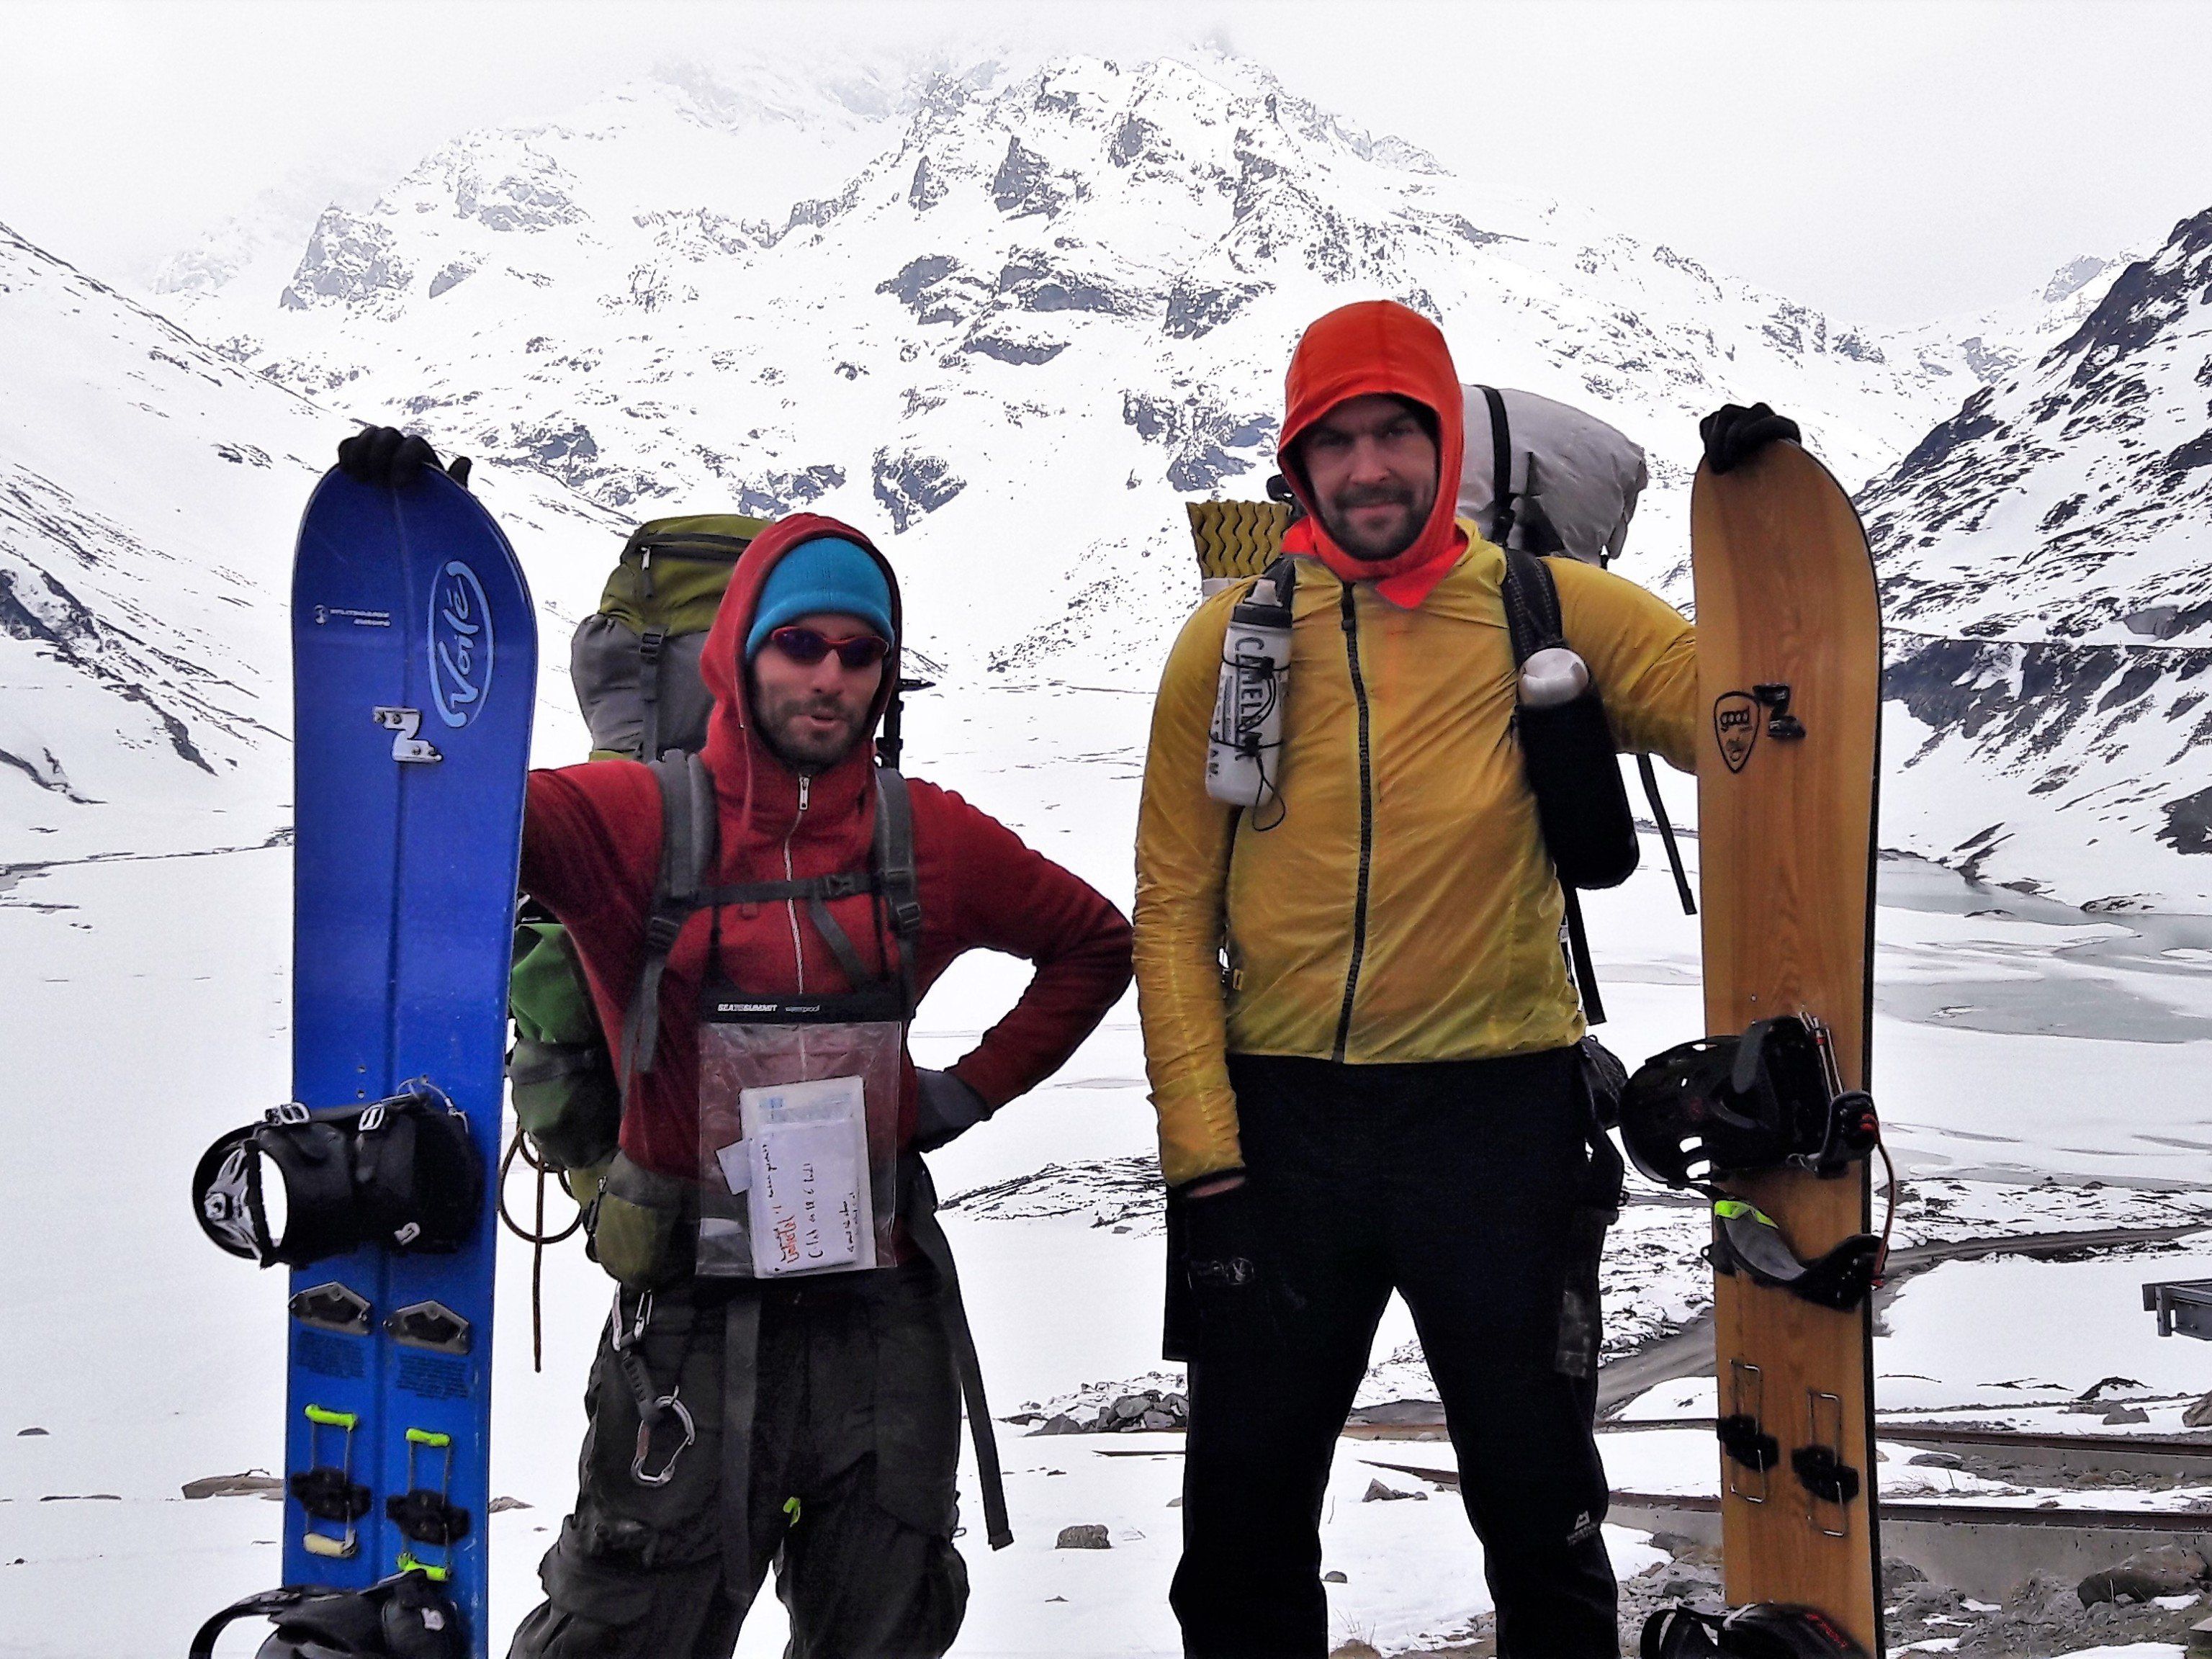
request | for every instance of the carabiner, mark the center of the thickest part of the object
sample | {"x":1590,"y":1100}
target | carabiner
{"x":667,"y":1402}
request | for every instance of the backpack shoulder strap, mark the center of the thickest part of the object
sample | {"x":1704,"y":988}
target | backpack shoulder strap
{"x":895,"y":869}
{"x":687,"y":851}
{"x":1501,"y":467}
{"x":1531,"y":597}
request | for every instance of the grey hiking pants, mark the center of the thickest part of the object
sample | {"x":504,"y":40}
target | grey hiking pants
{"x":851,"y":1492}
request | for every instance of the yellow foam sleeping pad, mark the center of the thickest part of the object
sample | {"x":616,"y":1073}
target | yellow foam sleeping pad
{"x":1236,"y":539}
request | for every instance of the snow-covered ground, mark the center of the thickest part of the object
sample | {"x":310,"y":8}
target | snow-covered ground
{"x":2024,"y":1054}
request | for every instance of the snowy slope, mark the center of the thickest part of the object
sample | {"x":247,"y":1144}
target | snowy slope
{"x":2046,"y":556}
{"x":1045,"y":313}
{"x":150,"y":489}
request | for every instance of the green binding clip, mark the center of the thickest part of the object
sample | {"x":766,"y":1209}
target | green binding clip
{"x":328,"y":1419}
{"x":428,"y":1438}
{"x":435,"y":1575}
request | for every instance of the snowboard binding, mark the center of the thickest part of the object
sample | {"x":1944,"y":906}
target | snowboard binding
{"x":1732,"y":1105}
{"x":406,"y":1616}
{"x":1764,"y":1630}
{"x":1746,"y":1240}
{"x":1770,"y":1099}
{"x":401,"y":1172}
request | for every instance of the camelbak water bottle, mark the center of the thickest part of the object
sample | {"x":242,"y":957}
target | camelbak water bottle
{"x":1243,"y":753}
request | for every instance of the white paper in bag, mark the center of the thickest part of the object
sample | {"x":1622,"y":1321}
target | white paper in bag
{"x":807,"y":1189}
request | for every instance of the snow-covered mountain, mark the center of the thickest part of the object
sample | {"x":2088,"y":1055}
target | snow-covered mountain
{"x":149,"y":489}
{"x":1015,"y":318}
{"x":1049,"y":309}
{"x":2047,"y":561}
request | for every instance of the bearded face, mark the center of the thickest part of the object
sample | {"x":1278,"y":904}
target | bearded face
{"x":1370,"y":470}
{"x":812,"y":714}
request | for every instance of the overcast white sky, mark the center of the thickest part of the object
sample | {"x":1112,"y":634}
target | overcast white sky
{"x":1893,"y":161}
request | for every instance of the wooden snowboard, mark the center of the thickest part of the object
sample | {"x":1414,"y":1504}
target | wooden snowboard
{"x":1790,"y":664}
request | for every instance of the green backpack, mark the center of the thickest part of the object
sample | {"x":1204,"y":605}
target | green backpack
{"x":635,"y":663}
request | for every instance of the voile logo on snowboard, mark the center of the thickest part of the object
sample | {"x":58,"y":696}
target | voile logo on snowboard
{"x":1735,"y":725}
{"x":460,"y":645}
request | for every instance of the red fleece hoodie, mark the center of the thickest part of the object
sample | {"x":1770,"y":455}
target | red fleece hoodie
{"x":591,"y":848}
{"x":1378,"y":346}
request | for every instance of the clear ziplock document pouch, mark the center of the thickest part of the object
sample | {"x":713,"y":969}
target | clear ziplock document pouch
{"x":798,"y":1132}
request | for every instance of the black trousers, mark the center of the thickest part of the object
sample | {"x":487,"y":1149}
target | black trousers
{"x":1465,"y":1187}
{"x":855,"y":1448}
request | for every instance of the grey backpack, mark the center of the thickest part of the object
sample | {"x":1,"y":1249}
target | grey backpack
{"x":1570,"y":481}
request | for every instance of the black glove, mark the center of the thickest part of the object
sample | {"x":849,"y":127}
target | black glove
{"x":1235,"y":1304}
{"x":386,"y":455}
{"x":1734,"y":435}
{"x":946,"y":1110}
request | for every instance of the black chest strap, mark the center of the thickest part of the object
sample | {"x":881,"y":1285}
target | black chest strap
{"x":690,"y":850}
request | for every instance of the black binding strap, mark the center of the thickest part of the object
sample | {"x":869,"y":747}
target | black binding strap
{"x":267,"y":1604}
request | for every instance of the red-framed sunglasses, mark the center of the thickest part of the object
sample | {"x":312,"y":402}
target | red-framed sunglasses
{"x":805,"y":646}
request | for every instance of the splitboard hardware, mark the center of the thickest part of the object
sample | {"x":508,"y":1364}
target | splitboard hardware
{"x":431,"y":1325}
{"x":332,"y":1307}
{"x":427,"y":1515}
{"x":328,"y":1491}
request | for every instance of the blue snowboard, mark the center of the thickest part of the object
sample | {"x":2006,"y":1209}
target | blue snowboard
{"x":414,"y":659}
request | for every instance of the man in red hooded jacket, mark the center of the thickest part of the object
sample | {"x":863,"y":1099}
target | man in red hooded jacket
{"x":850,"y":1379}
{"x":1380,"y":1089}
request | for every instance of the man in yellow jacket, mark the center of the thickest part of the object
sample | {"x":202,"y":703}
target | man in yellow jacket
{"x":1361,"y":1030}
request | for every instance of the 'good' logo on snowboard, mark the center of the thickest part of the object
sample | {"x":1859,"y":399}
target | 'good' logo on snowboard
{"x":460,"y":644}
{"x":1736,"y":725}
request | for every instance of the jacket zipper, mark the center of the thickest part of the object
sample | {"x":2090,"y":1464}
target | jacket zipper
{"x":1351,"y":621}
{"x":791,"y":906}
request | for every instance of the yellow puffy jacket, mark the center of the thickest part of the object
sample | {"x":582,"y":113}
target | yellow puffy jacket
{"x":1404,"y":909}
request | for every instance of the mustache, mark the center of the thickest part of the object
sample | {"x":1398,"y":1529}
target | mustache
{"x":1373,"y":495}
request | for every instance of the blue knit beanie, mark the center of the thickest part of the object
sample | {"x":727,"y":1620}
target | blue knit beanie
{"x":828,"y":574}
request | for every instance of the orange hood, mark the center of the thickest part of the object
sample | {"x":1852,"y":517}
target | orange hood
{"x":1378,"y":346}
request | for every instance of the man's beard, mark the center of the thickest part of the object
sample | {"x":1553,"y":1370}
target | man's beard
{"x":1336,"y":516}
{"x":807,"y":747}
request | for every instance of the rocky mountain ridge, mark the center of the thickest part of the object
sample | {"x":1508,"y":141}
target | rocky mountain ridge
{"x":1049,"y":309}
{"x":2046,"y":559}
